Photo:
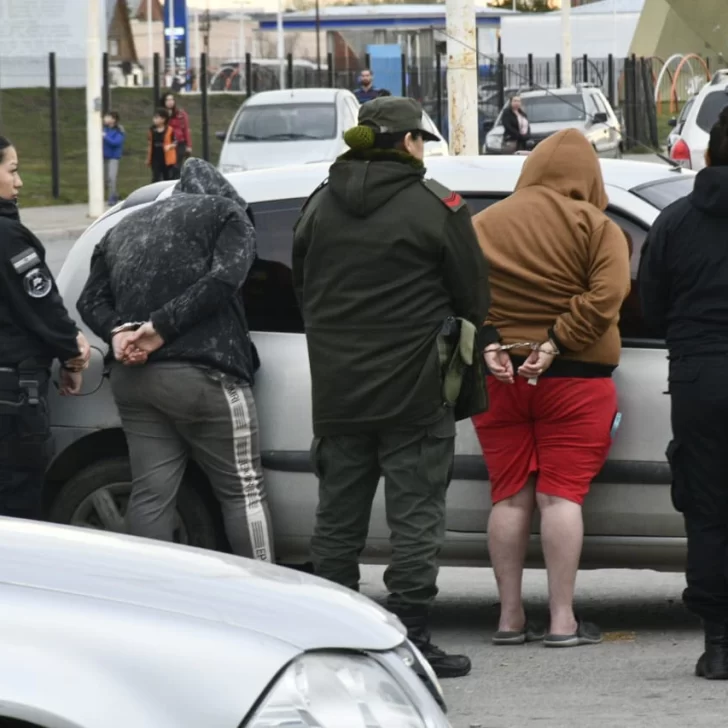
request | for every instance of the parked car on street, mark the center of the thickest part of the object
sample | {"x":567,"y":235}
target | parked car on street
{"x":629,"y":517}
{"x":298,"y":126}
{"x":108,"y":631}
{"x":688,"y":149}
{"x":583,"y":107}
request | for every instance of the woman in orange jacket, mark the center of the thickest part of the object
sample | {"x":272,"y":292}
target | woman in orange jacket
{"x":162,"y":149}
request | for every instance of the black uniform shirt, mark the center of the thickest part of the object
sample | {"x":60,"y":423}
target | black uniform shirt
{"x":34,"y":322}
{"x":683,"y":277}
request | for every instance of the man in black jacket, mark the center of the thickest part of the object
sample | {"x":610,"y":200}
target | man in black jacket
{"x":384,"y":263}
{"x":683,"y":283}
{"x":166,"y":284}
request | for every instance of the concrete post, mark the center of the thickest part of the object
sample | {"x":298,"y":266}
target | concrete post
{"x":94,"y":132}
{"x":462,"y":77}
{"x":566,"y":60}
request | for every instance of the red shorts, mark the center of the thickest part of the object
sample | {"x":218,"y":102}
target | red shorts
{"x":559,"y":429}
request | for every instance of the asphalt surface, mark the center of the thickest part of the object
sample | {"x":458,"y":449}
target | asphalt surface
{"x":640,"y":677}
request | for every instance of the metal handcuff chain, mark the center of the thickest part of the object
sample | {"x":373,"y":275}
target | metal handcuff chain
{"x":527,"y":345}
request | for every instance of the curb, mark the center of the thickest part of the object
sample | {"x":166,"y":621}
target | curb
{"x":56,"y":235}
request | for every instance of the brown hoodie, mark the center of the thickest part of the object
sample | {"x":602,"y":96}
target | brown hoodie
{"x":559,"y":266}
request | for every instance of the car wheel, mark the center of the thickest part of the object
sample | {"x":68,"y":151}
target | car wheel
{"x":98,"y":495}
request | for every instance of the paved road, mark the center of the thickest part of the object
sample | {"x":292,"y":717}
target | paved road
{"x":641,"y":677}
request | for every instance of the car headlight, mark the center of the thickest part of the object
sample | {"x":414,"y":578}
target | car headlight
{"x":325,"y":690}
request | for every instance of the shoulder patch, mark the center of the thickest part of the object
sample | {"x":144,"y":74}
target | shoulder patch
{"x":452,"y":200}
{"x":25,"y":260}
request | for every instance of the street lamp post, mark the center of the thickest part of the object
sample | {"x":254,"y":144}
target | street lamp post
{"x":281,"y":45}
{"x":94,"y":139}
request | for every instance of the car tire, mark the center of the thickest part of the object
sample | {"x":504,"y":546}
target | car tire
{"x":75,"y":504}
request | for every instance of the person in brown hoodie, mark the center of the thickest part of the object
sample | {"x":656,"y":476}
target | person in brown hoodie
{"x":559,"y":272}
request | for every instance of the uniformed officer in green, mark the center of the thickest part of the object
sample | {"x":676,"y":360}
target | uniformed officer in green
{"x":393,"y":288}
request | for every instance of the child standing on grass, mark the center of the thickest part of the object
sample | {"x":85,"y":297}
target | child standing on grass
{"x":114,"y":136}
{"x":162,"y":154}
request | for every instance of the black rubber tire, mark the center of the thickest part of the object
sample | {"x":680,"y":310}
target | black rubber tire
{"x":194,"y":512}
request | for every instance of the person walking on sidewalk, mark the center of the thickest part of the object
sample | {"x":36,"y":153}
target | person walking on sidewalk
{"x":165,"y":289}
{"x":559,"y":275}
{"x":114,"y":136}
{"x":162,"y":148}
{"x":683,"y":279}
{"x":179,"y":120}
{"x":35,"y":328}
{"x":386,"y":267}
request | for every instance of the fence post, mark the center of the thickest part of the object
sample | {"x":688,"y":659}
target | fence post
{"x":558,"y":70}
{"x":157,"y":65}
{"x":403,"y":65}
{"x":330,"y":68}
{"x":610,"y":80}
{"x":248,"y":76}
{"x":501,"y":81}
{"x":55,"y":149}
{"x":205,"y":109}
{"x":105,"y":88}
{"x":289,"y":71}
{"x":586,"y":68}
{"x":530,"y":70}
{"x":438,"y":87}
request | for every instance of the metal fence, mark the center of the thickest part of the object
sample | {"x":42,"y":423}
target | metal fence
{"x":42,"y":102}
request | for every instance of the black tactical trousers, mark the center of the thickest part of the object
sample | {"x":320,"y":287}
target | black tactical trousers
{"x":25,"y":446}
{"x":417,"y":467}
{"x":698,"y":455}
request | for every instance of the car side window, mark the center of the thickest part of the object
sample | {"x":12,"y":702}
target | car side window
{"x":268,"y":297}
{"x":599,"y":101}
{"x":591,"y":106}
{"x":631,"y":324}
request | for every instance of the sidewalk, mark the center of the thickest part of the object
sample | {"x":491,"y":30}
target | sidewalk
{"x":58,"y":222}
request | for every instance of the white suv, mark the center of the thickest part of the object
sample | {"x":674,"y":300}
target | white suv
{"x":689,"y":149}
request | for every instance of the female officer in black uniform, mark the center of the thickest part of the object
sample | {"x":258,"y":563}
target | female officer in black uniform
{"x":34,"y":329}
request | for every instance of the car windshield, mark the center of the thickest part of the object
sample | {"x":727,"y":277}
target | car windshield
{"x":710,"y":109}
{"x":286,"y":122}
{"x":554,"y":109}
{"x":664,"y":192}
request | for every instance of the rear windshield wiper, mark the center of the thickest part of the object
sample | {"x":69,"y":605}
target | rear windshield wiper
{"x":293,"y":136}
{"x":245,"y":137}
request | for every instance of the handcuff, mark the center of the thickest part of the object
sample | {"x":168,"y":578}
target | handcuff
{"x":129,"y":326}
{"x":527,"y":345}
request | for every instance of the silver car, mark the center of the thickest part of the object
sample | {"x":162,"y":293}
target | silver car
{"x":583,"y":107}
{"x":629,"y":517}
{"x":108,"y":631}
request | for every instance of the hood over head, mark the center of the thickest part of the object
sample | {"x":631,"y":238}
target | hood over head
{"x":362,"y":186}
{"x":199,"y":177}
{"x":710,"y":193}
{"x":566,"y":163}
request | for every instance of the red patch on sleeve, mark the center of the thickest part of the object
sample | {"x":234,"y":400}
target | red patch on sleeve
{"x":453,"y":200}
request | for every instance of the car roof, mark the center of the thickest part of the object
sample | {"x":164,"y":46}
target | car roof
{"x":496,"y":174}
{"x":295,"y":96}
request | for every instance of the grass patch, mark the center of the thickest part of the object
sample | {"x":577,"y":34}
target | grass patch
{"x":25,"y":119}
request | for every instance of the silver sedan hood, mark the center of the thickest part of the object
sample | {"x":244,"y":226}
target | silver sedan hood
{"x":288,"y":606}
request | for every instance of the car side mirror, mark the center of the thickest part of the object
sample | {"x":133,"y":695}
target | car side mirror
{"x":221,"y":135}
{"x":600,"y":118}
{"x":672,"y":122}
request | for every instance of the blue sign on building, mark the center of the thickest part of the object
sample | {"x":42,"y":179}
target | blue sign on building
{"x":178,"y":11}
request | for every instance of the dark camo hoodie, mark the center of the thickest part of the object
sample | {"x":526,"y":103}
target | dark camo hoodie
{"x":180,"y":262}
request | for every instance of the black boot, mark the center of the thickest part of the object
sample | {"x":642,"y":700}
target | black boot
{"x":713,"y":664}
{"x":418,"y":630}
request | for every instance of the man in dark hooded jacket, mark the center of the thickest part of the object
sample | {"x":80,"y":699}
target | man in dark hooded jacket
{"x":387,"y":270}
{"x":165,"y":293}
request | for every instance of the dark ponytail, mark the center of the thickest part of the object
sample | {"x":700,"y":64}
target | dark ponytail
{"x":4,"y":144}
{"x":718,"y":146}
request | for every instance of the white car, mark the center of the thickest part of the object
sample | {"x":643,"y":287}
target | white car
{"x":108,"y":631}
{"x":688,"y":149}
{"x":298,"y":126}
{"x":629,"y":517}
